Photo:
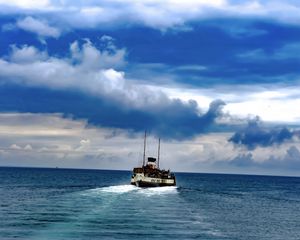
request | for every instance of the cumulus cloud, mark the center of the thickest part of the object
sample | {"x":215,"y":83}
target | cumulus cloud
{"x":39,"y":27}
{"x":88,"y":69}
{"x":26,"y":54}
{"x":15,"y":147}
{"x":255,"y":135}
{"x":115,"y":100}
{"x":87,"y":55}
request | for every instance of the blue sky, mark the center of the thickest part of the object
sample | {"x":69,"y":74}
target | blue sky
{"x":216,"y":80}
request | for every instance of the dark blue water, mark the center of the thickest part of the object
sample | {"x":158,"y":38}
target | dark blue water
{"x":89,"y":204}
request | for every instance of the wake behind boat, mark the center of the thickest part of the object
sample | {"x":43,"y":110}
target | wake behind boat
{"x":150,"y":175}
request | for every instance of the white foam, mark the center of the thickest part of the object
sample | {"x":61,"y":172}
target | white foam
{"x":158,"y":190}
{"x":129,"y":188}
{"x":110,"y":189}
{"x":118,"y":189}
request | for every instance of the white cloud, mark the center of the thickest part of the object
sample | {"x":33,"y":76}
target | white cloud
{"x":26,"y":4}
{"x":99,"y":69}
{"x":84,"y":145}
{"x":88,"y":69}
{"x":85,"y":142}
{"x":198,"y":68}
{"x":15,"y":147}
{"x":26,"y":54}
{"x":41,"y":28}
{"x":90,"y":57}
{"x":28,"y":147}
{"x":154,"y":13}
{"x":274,"y":104}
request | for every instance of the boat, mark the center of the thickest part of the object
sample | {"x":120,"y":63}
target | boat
{"x":149,"y":174}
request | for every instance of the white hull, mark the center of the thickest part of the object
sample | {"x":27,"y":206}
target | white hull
{"x":142,"y":181}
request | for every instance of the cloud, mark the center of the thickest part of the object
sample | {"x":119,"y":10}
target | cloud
{"x":243,"y":160}
{"x":55,"y":140}
{"x":108,"y":56}
{"x":254,"y":135}
{"x":84,"y":144}
{"x":87,"y":85}
{"x":88,"y":69}
{"x":169,"y":119}
{"x":153,"y":13}
{"x":289,"y":51}
{"x":15,"y":147}
{"x":289,"y":161}
{"x":26,"y":54}
{"x":180,"y":120}
{"x":41,"y":28}
{"x":51,"y":140}
{"x":28,"y":147}
{"x":26,"y":4}
{"x":242,"y":29}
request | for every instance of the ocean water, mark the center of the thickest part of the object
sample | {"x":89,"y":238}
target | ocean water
{"x":91,"y":204}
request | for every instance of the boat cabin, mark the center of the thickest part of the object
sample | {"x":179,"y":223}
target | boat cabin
{"x":151,"y":162}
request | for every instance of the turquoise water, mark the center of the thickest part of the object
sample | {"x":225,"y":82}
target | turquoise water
{"x":89,"y":204}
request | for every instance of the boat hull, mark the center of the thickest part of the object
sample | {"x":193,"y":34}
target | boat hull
{"x":151,"y":184}
{"x":140,"y":180}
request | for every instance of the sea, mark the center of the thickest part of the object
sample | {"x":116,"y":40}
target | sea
{"x":41,"y":203}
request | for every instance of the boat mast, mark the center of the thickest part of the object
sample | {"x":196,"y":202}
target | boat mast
{"x":158,"y":153}
{"x":144,"y":156}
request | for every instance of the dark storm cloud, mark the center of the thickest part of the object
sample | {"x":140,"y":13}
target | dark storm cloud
{"x":170,"y":119}
{"x":254,"y":135}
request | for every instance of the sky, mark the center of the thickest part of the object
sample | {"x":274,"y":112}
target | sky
{"x":218,"y":81}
